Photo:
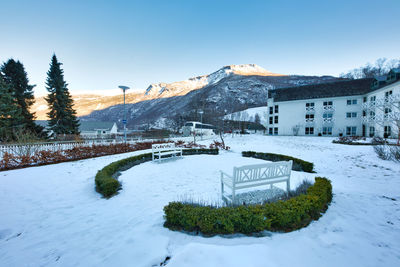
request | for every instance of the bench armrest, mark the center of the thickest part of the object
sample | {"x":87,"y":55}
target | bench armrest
{"x":225,"y":174}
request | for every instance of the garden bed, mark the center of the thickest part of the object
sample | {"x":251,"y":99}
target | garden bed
{"x":106,"y":179}
{"x":281,"y":216}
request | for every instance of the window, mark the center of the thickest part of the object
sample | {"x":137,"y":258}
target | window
{"x":326,"y":130}
{"x":372,"y":98}
{"x":275,"y":131}
{"x":387,"y":111}
{"x":387,"y":131}
{"x":271,"y":110}
{"x":309,"y":130}
{"x":372,"y":113}
{"x":371,"y":131}
{"x":328,"y":103}
{"x":309,"y":116}
{"x":351,"y":115}
{"x":365,"y":99}
{"x":276,"y":119}
{"x":271,"y":120}
{"x":351,"y":130}
{"x":276,"y":108}
{"x":327,"y":115}
{"x":352,"y":102}
{"x":310,"y":106}
{"x":270,"y":131}
{"x":388,"y":93}
{"x":364,"y":113}
{"x":189,"y":124}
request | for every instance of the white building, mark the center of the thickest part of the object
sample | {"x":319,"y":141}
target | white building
{"x":363,"y":107}
{"x":97,"y":129}
{"x":90,"y":129}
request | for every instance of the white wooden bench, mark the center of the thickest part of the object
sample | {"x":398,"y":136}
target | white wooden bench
{"x":165,"y":149}
{"x":255,"y":175}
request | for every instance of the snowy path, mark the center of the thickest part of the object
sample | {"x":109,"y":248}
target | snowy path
{"x":51,"y":215}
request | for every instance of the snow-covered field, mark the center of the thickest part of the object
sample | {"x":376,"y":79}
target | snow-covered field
{"x":51,"y":215}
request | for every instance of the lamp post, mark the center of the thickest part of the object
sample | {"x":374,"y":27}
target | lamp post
{"x":201,"y":120}
{"x":124,"y":88}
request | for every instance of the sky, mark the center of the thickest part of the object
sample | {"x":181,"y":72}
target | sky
{"x":103,"y":44}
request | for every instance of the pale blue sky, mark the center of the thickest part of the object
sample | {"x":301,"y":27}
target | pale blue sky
{"x":106,"y":43}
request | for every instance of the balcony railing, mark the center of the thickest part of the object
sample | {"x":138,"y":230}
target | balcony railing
{"x":310,"y":109}
{"x":328,"y":108}
{"x":310,"y":121}
{"x":328,"y":120}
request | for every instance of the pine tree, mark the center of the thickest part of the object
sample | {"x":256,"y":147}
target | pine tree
{"x":14,"y":74}
{"x":62,"y":115}
{"x":10,"y":113}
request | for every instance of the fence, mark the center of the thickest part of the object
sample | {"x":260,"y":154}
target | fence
{"x":30,"y":149}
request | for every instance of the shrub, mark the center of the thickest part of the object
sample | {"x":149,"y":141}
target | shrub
{"x":382,"y":151}
{"x":106,"y":179}
{"x":286,"y":216}
{"x":298,"y":164}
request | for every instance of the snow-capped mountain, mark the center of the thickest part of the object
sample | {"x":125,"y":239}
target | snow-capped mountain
{"x":183,"y":87}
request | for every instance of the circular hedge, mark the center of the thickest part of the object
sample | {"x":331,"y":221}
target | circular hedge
{"x":285,"y":216}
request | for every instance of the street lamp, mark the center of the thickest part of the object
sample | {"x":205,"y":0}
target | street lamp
{"x":124,"y":88}
{"x":201,"y":120}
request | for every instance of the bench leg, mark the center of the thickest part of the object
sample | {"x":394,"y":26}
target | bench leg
{"x":288,"y":186}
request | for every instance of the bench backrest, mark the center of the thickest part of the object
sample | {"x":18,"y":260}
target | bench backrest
{"x":163,"y":147}
{"x":258,"y":172}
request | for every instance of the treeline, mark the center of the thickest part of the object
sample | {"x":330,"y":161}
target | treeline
{"x":16,"y":99}
{"x":381,"y":67}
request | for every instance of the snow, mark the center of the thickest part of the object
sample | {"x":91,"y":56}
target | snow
{"x":51,"y":215}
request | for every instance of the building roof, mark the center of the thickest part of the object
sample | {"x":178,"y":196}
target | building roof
{"x":332,"y":89}
{"x":396,"y":70}
{"x":86,"y":126}
{"x":382,"y":78}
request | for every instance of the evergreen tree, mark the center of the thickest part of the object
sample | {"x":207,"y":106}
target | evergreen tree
{"x":14,"y":74}
{"x":10,"y":113}
{"x":62,"y":115}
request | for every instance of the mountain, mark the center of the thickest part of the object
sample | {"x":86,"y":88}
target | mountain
{"x":225,"y":90}
{"x":87,"y":103}
{"x":183,"y":87}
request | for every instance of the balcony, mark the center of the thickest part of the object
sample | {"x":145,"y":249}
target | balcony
{"x":328,"y":121}
{"x":310,"y":109}
{"x":310,"y":121}
{"x":328,"y":108}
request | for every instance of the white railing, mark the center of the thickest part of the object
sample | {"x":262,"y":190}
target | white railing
{"x":328,"y":120}
{"x":309,"y":120}
{"x":328,"y":108}
{"x":310,"y":109}
{"x":30,"y":149}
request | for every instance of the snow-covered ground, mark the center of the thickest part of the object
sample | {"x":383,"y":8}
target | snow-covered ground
{"x":51,"y":215}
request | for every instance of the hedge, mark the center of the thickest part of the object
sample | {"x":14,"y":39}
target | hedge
{"x":106,"y":179}
{"x":298,"y":164}
{"x":285,"y":216}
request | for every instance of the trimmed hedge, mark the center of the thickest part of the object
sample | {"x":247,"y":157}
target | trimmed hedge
{"x":298,"y":164}
{"x":285,"y":216}
{"x":106,"y":179}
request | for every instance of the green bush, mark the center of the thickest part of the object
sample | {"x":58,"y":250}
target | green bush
{"x":298,"y":164}
{"x":106,"y":179}
{"x":286,"y":216}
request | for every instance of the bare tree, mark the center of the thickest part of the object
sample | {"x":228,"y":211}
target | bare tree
{"x":381,"y":67}
{"x":384,"y":112}
{"x":257,"y":118}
